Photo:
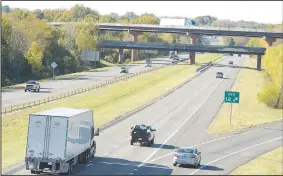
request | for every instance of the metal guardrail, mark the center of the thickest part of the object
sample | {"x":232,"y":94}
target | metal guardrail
{"x":176,"y":27}
{"x":192,"y":27}
{"x":31,"y":104}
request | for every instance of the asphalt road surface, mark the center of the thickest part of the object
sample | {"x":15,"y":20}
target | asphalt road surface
{"x":53,"y":87}
{"x":181,"y":119}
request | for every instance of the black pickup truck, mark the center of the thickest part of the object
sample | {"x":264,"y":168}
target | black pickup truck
{"x":142,"y":134}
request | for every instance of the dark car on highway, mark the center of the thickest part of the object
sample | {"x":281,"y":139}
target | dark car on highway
{"x":142,"y":134}
{"x":231,"y":62}
{"x":124,"y":70}
{"x":219,"y":75}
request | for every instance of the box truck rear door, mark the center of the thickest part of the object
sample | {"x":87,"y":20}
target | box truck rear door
{"x":36,"y":136}
{"x":57,"y":138}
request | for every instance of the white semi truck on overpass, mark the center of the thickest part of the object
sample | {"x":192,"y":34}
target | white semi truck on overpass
{"x":58,"y":139}
{"x":176,"y":22}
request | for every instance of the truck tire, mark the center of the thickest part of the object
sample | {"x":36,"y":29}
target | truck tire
{"x":87,"y":155}
{"x":70,"y":169}
{"x":83,"y":157}
{"x":132,"y":142}
{"x":149,"y":143}
{"x":152,"y":141}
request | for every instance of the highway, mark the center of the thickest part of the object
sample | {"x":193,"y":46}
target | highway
{"x":181,"y":119}
{"x":62,"y":85}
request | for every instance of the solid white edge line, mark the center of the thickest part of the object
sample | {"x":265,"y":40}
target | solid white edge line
{"x":234,"y":154}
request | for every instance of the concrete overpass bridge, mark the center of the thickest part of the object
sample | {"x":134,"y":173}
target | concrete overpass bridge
{"x":192,"y":32}
{"x":181,"y":48}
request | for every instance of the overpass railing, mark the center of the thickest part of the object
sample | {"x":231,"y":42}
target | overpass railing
{"x":176,"y":27}
{"x":193,"y":27}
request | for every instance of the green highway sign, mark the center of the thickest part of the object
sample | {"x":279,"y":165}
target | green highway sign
{"x":231,"y":97}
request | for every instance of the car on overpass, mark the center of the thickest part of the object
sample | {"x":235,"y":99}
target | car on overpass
{"x":231,"y":62}
{"x":219,"y":75}
{"x":187,"y":156}
{"x":32,"y":85}
{"x":142,"y":134}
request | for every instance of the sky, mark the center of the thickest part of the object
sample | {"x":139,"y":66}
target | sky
{"x":258,"y":11}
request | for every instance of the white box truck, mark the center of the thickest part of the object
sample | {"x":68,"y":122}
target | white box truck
{"x":58,"y":139}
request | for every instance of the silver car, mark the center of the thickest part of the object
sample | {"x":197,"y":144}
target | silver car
{"x":187,"y":156}
{"x":32,"y":85}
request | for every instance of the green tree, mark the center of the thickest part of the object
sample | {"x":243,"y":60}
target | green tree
{"x":272,"y":92}
{"x":205,"y":20}
{"x":86,"y":38}
{"x":34,"y":56}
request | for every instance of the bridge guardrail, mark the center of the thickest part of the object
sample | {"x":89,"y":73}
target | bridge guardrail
{"x":195,"y":27}
{"x":182,"y":27}
{"x":31,"y":104}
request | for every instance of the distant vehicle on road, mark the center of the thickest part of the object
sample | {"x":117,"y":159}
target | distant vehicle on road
{"x":147,"y":63}
{"x":124,"y":70}
{"x":187,"y":156}
{"x":239,"y":55}
{"x":173,"y":55}
{"x":142,"y":134}
{"x":219,"y":75}
{"x":231,"y":62}
{"x":176,"y":57}
{"x":32,"y":85}
{"x":231,"y":54}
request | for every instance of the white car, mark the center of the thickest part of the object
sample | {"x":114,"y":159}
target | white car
{"x":32,"y":85}
{"x":187,"y":156}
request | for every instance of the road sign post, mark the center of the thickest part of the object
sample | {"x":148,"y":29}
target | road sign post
{"x":53,"y":65}
{"x":231,"y":97}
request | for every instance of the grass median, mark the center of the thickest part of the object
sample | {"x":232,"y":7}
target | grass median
{"x":249,"y":112}
{"x":205,"y":58}
{"x":108,"y":103}
{"x":267,"y":164}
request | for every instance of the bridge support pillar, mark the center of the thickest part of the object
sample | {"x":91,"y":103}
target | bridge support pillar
{"x":194,"y":41}
{"x":269,"y":41}
{"x":121,"y":56}
{"x":134,"y":39}
{"x":258,"y":62}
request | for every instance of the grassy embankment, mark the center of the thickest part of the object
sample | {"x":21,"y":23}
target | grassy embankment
{"x":108,"y":103}
{"x":267,"y":164}
{"x":249,"y":112}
